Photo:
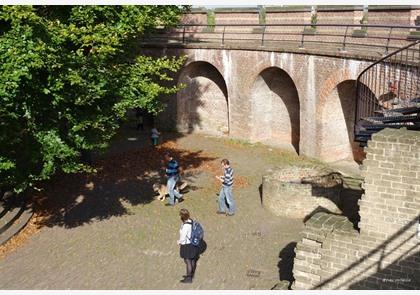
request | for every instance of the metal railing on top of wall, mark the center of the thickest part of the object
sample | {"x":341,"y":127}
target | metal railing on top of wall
{"x":390,"y":87}
{"x":382,"y":38}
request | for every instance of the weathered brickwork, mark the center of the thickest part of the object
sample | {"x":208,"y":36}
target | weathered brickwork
{"x":236,"y":17}
{"x":202,"y":104}
{"x":326,"y":15}
{"x":385,"y":254}
{"x":267,"y":95}
{"x":390,"y":15}
{"x":195,"y":18}
{"x":300,"y":192}
{"x":248,"y":86}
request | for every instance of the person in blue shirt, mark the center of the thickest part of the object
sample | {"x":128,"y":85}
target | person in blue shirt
{"x":172,"y":173}
{"x":226,"y":196}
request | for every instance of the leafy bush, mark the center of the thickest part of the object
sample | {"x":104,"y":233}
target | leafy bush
{"x":67,"y":76}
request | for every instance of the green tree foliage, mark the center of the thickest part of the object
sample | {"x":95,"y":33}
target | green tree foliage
{"x":67,"y":76}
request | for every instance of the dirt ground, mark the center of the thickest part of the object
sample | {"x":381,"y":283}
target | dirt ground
{"x":106,"y":231}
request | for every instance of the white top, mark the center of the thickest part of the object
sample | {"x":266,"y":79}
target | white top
{"x":155,"y":133}
{"x":185,"y":233}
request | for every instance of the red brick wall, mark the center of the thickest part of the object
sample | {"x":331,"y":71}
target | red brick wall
{"x":237,"y":18}
{"x":194,"y":18}
{"x":314,"y":77}
{"x":391,"y":16}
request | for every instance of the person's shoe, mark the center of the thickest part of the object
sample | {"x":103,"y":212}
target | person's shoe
{"x":186,"y":280}
{"x":230,"y":214}
{"x":220,"y":212}
{"x":180,"y":200}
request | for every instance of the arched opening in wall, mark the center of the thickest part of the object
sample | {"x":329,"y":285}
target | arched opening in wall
{"x":337,"y":125}
{"x":202,"y":106}
{"x":275,"y":110}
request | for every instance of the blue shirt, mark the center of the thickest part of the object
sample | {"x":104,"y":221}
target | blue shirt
{"x":172,"y":168}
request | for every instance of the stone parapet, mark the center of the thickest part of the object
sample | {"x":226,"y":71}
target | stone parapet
{"x":378,"y":14}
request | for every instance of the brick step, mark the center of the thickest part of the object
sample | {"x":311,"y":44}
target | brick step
{"x":18,"y":218}
{"x":366,"y":132}
{"x":4,"y":208}
{"x":394,"y":119}
{"x":404,"y":111}
{"x":352,"y":183}
{"x":282,"y":285}
{"x":362,"y":138}
{"x":371,"y":126}
{"x":9,"y":218}
{"x":379,"y":127}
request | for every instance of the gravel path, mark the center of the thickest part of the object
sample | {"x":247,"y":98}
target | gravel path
{"x":136,"y":248}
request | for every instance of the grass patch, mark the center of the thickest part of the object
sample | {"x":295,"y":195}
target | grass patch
{"x":241,"y":142}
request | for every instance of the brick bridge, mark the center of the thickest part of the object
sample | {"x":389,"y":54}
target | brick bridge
{"x":302,"y":100}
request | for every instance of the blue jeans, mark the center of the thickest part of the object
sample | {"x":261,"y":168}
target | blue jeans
{"x":170,"y":184}
{"x":226,"y":196}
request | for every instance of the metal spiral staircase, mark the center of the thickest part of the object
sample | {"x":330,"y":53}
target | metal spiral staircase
{"x":388,"y":94}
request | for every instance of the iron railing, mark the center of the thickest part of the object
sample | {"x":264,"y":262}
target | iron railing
{"x":390,"y":87}
{"x":342,"y":37}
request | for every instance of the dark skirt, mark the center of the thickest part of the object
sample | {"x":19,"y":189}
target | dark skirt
{"x":188,"y":251}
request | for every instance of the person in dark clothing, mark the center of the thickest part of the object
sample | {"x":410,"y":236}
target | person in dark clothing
{"x":172,"y":173}
{"x":140,"y":119}
{"x":187,"y":251}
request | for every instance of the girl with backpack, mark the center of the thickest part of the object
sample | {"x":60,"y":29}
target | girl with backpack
{"x":188,"y":251}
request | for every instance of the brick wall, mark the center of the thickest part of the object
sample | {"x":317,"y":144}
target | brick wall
{"x":237,"y":17}
{"x":276,"y":117}
{"x":202,"y":104}
{"x":385,"y":254}
{"x":402,"y":15}
{"x":195,"y":18}
{"x":310,"y":81}
{"x":300,"y":192}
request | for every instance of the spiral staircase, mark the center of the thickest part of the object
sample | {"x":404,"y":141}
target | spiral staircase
{"x":388,"y":94}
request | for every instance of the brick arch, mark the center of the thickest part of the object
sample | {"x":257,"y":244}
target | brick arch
{"x":210,"y":61}
{"x":275,"y":109}
{"x":203,"y":105}
{"x":330,"y":84}
{"x":335,"y":119}
{"x":260,"y":67}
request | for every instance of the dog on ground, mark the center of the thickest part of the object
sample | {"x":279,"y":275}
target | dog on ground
{"x":161,"y":190}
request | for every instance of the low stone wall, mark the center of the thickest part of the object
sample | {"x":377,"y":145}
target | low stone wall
{"x":386,"y":252}
{"x":299,"y":192}
{"x":314,"y":256}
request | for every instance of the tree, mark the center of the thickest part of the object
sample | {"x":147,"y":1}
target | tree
{"x":67,"y":76}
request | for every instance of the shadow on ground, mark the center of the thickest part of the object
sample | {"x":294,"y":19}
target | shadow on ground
{"x":285,"y":265}
{"x":122,"y":179}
